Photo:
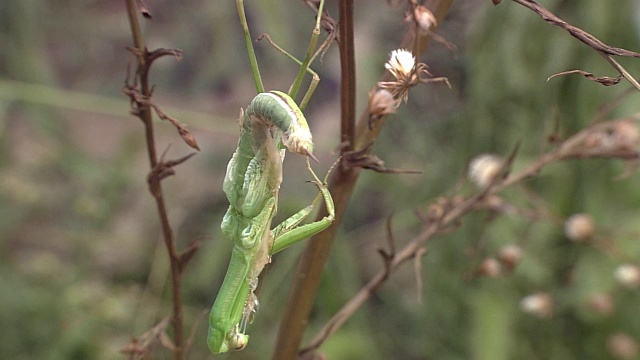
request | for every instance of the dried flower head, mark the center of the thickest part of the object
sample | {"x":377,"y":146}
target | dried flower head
{"x":628,"y":275}
{"x":402,"y":65}
{"x":483,"y":169}
{"x":579,"y":227}
{"x":539,"y":304}
{"x":424,"y":18}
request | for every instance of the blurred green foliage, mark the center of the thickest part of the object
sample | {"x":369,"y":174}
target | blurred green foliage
{"x":82,"y":264}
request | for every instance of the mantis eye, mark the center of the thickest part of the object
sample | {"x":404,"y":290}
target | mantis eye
{"x":238,"y":342}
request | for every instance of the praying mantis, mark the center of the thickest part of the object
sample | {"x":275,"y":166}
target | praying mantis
{"x":270,"y":125}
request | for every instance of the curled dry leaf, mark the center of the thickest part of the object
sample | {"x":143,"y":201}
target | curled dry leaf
{"x":604,"y":80}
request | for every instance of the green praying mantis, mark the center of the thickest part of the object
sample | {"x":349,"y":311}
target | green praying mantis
{"x":270,"y":125}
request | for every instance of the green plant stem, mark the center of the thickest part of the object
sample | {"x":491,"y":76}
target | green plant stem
{"x":341,"y":186}
{"x":155,"y":187}
{"x":249,"y":42}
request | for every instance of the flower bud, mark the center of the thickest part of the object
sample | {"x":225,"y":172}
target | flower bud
{"x":628,"y":275}
{"x":601,"y":303}
{"x":538,"y":304}
{"x":622,"y":346}
{"x":381,"y":102}
{"x":579,"y":227}
{"x":510,"y":255}
{"x":483,"y":169}
{"x":490,"y":267}
{"x":424,"y":18}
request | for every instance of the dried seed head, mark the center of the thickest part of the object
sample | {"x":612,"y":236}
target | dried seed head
{"x":490,"y":267}
{"x":484,"y":168}
{"x":510,"y":255}
{"x":628,"y":275}
{"x":622,"y":346}
{"x":424,"y":18}
{"x":538,"y":304}
{"x":601,"y":303}
{"x":579,"y":227}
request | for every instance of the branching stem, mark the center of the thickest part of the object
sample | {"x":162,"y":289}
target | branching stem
{"x":155,"y":186}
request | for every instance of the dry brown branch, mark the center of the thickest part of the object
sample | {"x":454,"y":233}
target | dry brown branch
{"x":576,"y":32}
{"x":599,"y":140}
{"x":139,"y":92}
{"x":139,"y":347}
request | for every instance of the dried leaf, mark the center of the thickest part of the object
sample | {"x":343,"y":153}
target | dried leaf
{"x":604,"y":80}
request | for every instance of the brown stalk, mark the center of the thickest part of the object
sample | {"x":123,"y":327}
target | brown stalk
{"x":341,"y":183}
{"x":158,"y":168}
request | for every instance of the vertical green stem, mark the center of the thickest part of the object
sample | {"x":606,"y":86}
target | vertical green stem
{"x":310,"y":49}
{"x":252,"y":54}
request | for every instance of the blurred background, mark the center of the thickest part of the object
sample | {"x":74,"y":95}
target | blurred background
{"x":82,"y":263}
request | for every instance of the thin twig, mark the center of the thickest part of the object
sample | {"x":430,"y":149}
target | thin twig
{"x":143,"y":110}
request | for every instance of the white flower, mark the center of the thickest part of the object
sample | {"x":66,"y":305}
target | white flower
{"x":579,"y":227}
{"x":401,"y":63}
